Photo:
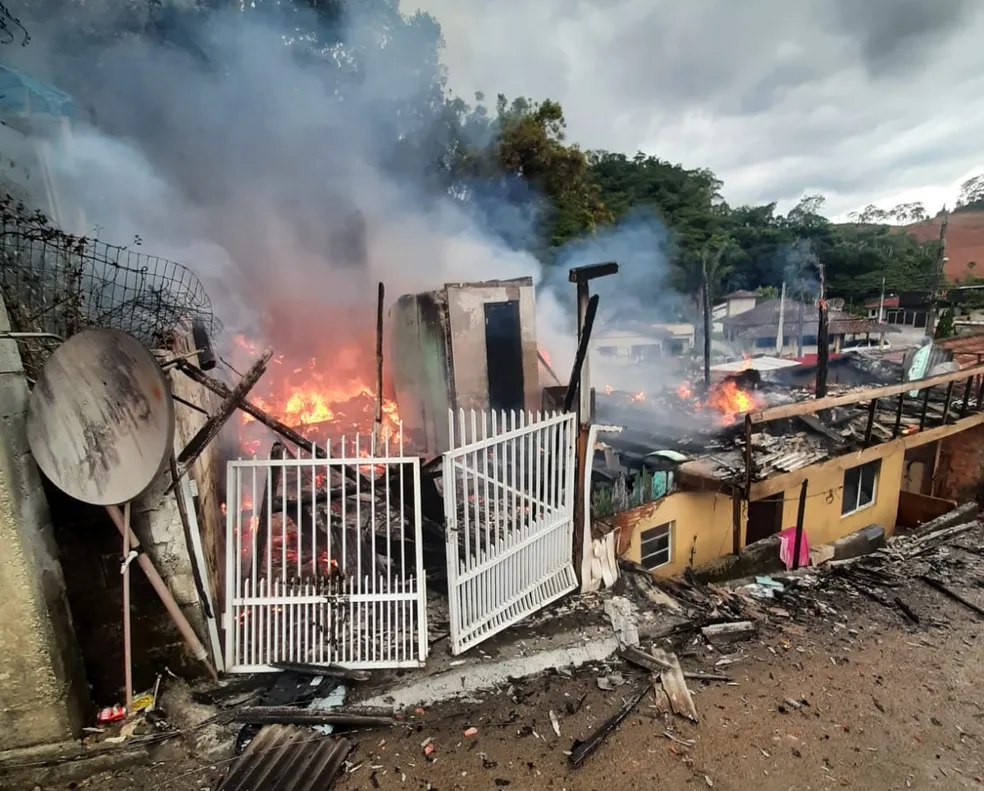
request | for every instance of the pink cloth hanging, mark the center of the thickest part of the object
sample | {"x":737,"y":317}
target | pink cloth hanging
{"x":787,"y":545}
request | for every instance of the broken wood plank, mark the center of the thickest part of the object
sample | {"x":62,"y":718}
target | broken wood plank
{"x":582,"y":749}
{"x":637,"y":656}
{"x":729,"y":632}
{"x":906,"y":610}
{"x":937,"y":585}
{"x":675,"y":686}
{"x":322,"y":671}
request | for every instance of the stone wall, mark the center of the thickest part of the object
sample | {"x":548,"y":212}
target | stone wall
{"x":43,"y":696}
{"x":960,"y":473}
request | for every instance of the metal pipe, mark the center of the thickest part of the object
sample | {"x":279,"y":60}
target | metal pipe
{"x":127,"y":642}
{"x":197,"y":649}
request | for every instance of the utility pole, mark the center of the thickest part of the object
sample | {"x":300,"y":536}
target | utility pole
{"x":705,"y":292}
{"x":881,"y":315}
{"x":780,"y":337}
{"x":823,"y":348}
{"x":941,"y":259}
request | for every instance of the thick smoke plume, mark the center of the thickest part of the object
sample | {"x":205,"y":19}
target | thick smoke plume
{"x":268,"y":175}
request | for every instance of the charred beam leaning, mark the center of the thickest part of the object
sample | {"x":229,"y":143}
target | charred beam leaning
{"x":587,"y":306}
{"x":285,"y":431}
{"x":800,"y":515}
{"x":947,"y":401}
{"x":213,"y":425}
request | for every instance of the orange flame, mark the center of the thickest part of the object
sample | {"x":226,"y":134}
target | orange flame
{"x":726,"y":399}
{"x":323,"y":399}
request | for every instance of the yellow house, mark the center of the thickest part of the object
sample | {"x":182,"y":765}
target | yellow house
{"x":713,"y":512}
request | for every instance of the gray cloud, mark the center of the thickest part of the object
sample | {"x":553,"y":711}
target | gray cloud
{"x":860,"y":100}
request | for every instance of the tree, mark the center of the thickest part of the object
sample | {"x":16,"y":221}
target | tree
{"x":971,"y":193}
{"x":945,"y":327}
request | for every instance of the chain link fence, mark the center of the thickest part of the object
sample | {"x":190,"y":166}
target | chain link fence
{"x":55,"y":283}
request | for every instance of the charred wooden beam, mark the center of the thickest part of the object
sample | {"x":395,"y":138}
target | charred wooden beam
{"x":208,"y":432}
{"x":858,"y":396}
{"x":966,"y":396}
{"x":925,"y":407}
{"x":946,"y":403}
{"x":800,"y":516}
{"x":285,"y":431}
{"x":581,"y":356}
{"x":872,"y":408}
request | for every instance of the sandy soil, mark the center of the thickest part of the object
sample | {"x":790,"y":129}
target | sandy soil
{"x":885,"y":705}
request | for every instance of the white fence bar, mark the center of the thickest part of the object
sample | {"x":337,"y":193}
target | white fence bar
{"x":324,"y":560}
{"x":509,"y":504}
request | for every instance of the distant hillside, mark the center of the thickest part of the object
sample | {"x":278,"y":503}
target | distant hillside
{"x":964,"y":242}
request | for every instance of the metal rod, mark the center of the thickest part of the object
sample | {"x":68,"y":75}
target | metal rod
{"x":197,"y":649}
{"x":127,"y":641}
{"x":800,"y":514}
{"x":872,"y":408}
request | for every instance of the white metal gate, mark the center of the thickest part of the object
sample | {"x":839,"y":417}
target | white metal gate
{"x":324,"y":562}
{"x":509,"y":504}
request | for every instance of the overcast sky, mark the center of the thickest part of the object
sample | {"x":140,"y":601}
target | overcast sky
{"x":865,"y":101}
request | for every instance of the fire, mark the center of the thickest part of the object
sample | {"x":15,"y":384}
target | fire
{"x":726,"y":399}
{"x":322,"y":397}
{"x":730,"y":401}
{"x":640,"y":396}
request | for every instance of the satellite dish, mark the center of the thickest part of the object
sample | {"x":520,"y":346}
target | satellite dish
{"x":100,"y":421}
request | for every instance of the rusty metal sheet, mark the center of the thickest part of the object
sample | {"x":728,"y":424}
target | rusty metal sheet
{"x":288,"y":758}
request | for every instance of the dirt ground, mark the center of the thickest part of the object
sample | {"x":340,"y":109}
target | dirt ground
{"x":883,"y":705}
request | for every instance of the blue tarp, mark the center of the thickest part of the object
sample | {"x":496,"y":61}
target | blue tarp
{"x":21,"y":94}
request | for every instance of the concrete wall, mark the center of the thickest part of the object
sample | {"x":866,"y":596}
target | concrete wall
{"x":42,"y":686}
{"x":703,"y":521}
{"x":702,"y":529}
{"x":823,"y":522}
{"x":467,"y":321}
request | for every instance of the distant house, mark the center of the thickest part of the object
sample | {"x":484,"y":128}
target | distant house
{"x":903,"y":310}
{"x":757,"y":330}
{"x":637,"y":342}
{"x":734,"y":304}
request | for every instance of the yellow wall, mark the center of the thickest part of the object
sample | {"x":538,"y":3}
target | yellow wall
{"x":823,"y":522}
{"x":702,"y":525}
{"x":703,"y":520}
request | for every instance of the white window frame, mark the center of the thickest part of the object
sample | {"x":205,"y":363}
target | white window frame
{"x":858,"y":507}
{"x":670,"y":528}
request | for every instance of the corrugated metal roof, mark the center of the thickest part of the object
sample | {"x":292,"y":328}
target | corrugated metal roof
{"x":756,"y":364}
{"x":288,"y":758}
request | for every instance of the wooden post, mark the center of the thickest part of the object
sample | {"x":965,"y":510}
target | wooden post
{"x":872,"y":408}
{"x":938,"y":280}
{"x":800,"y":514}
{"x":925,"y":406}
{"x":968,"y":385}
{"x":377,"y":423}
{"x":705,"y":290}
{"x":946,"y":404}
{"x":980,"y":394}
{"x":749,"y":464}
{"x":898,"y":415}
{"x":823,"y":347}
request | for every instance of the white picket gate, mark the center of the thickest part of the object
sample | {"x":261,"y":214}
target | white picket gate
{"x":324,"y":561}
{"x":509,"y":503}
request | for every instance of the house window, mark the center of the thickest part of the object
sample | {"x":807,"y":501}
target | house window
{"x":657,"y":548}
{"x":860,"y":487}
